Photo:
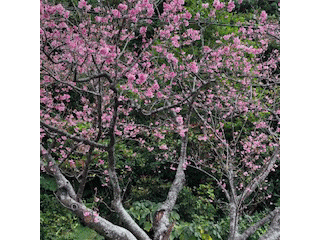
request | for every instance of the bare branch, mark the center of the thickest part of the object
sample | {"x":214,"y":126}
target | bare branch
{"x":274,"y":216}
{"x":261,"y":177}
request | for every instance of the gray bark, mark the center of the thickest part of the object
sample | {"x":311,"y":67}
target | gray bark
{"x":129,"y":223}
{"x":273,"y":231}
{"x":161,"y":223}
{"x":68,"y":199}
{"x":234,"y":232}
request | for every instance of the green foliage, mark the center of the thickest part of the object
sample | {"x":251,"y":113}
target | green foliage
{"x":56,"y":222}
{"x":48,"y":183}
{"x":144,"y":211}
{"x":199,"y":229}
{"x":192,"y":205}
{"x":85,"y":233}
{"x":246,"y":221}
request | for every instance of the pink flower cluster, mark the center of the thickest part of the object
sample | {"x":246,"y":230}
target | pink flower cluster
{"x":193,"y":66}
{"x":83,"y":3}
{"x":122,"y":7}
{"x":142,"y":77}
{"x":205,"y":5}
{"x":218,"y":5}
{"x":164,"y":147}
{"x":231,"y":6}
{"x":263,"y":16}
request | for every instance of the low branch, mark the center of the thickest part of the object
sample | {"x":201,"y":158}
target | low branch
{"x":93,"y":77}
{"x":251,"y":187}
{"x":274,"y":216}
{"x":192,"y":94}
{"x":73,"y":137}
{"x":273,"y":232}
{"x":67,"y":198}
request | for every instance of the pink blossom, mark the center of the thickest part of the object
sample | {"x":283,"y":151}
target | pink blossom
{"x":104,"y":51}
{"x":206,"y":49}
{"x":170,"y":56}
{"x":179,"y":120}
{"x":155,"y":86}
{"x":72,"y":163}
{"x":82,"y":3}
{"x":88,"y":7}
{"x":187,"y":15}
{"x":128,"y":168}
{"x":101,"y":162}
{"x":149,"y":93}
{"x":212,"y":13}
{"x":143,"y":30}
{"x":176,"y":18}
{"x":263,"y":16}
{"x":141,"y":78}
{"x":175,"y":41}
{"x":150,"y":10}
{"x":185,"y":164}
{"x":116,"y":13}
{"x":236,"y":41}
{"x":205,"y":5}
{"x":122,"y":7}
{"x":131,"y":77}
{"x":159,"y":135}
{"x":86,"y":213}
{"x":239,"y":1}
{"x":160,"y":95}
{"x":203,"y":138}
{"x":172,"y":74}
{"x":182,"y":131}
{"x":60,"y":107}
{"x":158,"y":48}
{"x":97,"y":9}
{"x":117,"y":132}
{"x":218,"y":5}
{"x":231,"y":6}
{"x":176,"y":110}
{"x":193,"y":66}
{"x":173,"y":168}
{"x":194,"y":34}
{"x":164,"y":147}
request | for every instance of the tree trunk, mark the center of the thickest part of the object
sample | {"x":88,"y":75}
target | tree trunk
{"x":68,"y":199}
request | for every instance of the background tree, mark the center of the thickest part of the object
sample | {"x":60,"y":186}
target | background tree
{"x":142,"y":85}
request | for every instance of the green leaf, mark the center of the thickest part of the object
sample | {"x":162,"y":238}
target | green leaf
{"x":147,"y":226}
{"x":206,"y":236}
{"x":48,"y":183}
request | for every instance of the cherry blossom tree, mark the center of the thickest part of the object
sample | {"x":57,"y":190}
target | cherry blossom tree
{"x":104,"y":65}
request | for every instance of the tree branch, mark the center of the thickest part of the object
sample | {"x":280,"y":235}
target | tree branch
{"x":273,"y":232}
{"x":73,"y":137}
{"x":129,"y":223}
{"x":67,"y":198}
{"x":274,"y":215}
{"x":251,"y":187}
{"x":161,"y":221}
